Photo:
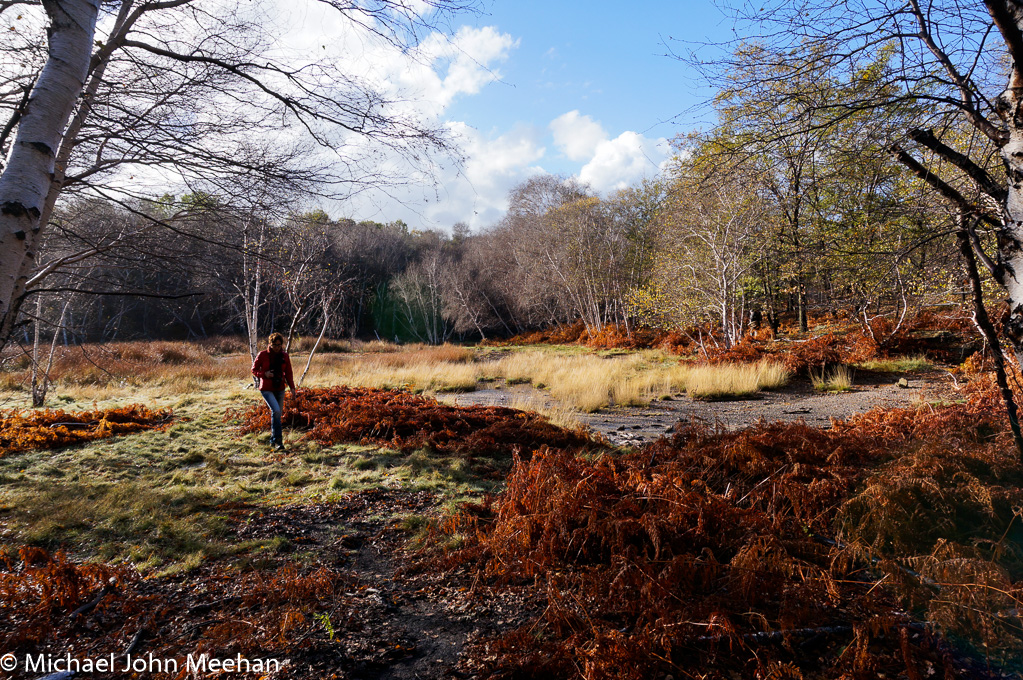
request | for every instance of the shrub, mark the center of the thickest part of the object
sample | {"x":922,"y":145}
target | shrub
{"x":702,"y":550}
{"x":407,"y":422}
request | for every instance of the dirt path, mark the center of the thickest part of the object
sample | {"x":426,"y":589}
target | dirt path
{"x":401,"y":622}
{"x":798,"y":401}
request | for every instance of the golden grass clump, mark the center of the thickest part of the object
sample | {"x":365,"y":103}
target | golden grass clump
{"x":128,"y":362}
{"x":420,"y":368}
{"x":897,"y":364}
{"x":418,"y":377}
{"x":305,"y":343}
{"x":562,"y":416}
{"x":98,"y":370}
{"x":586,"y":382}
{"x":589,"y":382}
{"x":838,"y":379}
{"x":417,"y":355}
{"x":730,"y":381}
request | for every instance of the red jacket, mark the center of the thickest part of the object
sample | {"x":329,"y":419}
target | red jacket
{"x":275,"y":384}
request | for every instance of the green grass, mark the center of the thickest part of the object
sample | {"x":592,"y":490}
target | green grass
{"x":157,"y":499}
{"x":896,"y":364}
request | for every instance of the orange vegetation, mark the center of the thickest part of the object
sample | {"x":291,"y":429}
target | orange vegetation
{"x":609,"y":337}
{"x":406,"y":421}
{"x":49,"y":429}
{"x":838,"y":340}
{"x":97,"y":610}
{"x":761,"y":553}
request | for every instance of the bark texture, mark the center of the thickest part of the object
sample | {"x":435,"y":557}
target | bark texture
{"x":28,"y":176}
{"x":1010,"y":246}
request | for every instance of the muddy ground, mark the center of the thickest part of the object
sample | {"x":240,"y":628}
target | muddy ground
{"x":408,"y":617}
{"x":625,"y":426}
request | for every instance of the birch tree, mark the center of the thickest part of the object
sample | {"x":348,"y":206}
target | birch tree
{"x":709,"y":242}
{"x":195,"y":91}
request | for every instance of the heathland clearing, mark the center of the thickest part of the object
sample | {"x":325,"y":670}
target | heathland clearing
{"x":369,"y":561}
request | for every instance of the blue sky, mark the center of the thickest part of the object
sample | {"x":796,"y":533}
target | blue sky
{"x":529,"y":86}
{"x":607,"y":61}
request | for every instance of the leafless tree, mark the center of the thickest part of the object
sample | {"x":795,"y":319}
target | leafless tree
{"x":187,"y":90}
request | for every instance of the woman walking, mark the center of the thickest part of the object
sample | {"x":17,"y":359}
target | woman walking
{"x":273,"y":368}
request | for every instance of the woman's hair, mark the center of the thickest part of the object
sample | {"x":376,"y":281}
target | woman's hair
{"x":275,"y":336}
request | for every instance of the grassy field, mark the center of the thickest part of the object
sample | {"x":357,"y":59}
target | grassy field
{"x":155,"y":499}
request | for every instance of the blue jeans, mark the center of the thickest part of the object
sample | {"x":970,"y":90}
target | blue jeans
{"x":275,"y":400}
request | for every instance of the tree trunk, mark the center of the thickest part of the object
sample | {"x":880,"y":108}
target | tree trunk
{"x":987,"y":329}
{"x":1010,"y":248}
{"x":41,"y":379}
{"x":804,"y":325}
{"x":28,"y":176}
{"x":316,"y":345}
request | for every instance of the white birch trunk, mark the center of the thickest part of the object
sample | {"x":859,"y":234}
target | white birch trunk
{"x":28,"y":176}
{"x":1011,"y":243}
{"x":41,"y":384}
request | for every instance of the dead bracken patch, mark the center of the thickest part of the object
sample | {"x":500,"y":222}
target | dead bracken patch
{"x":835,"y":341}
{"x":404,"y":421}
{"x":96,"y":611}
{"x":718,"y":551}
{"x":50,"y":429}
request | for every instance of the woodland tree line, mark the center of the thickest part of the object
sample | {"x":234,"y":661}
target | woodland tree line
{"x":852,"y":169}
{"x":717,"y":244}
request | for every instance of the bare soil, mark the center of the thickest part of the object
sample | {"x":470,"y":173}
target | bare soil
{"x":405,"y":622}
{"x":633,"y":426}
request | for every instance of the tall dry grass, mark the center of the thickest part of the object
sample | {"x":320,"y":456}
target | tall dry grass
{"x":558,"y":414}
{"x":420,"y":368}
{"x":590,"y":382}
{"x":838,"y":379}
{"x":732,"y":381}
{"x":580,"y":382}
{"x":100,"y":371}
{"x":97,"y":369}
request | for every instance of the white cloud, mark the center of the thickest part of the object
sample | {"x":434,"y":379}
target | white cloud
{"x":468,"y":57}
{"x":440,"y":70}
{"x":608,"y":163}
{"x":423,"y":81}
{"x":577,"y":136}
{"x":421,"y":85}
{"x":624,"y":161}
{"x":477,"y":193}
